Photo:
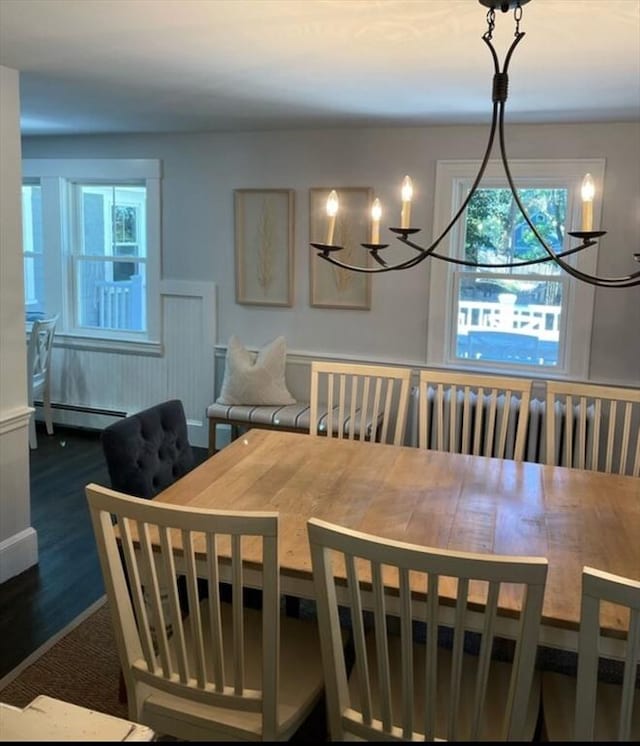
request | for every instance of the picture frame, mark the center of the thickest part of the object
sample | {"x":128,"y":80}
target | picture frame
{"x":264,"y":246}
{"x":331,"y":286}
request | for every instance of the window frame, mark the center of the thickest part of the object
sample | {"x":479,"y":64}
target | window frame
{"x":453,"y":178}
{"x":58,"y":179}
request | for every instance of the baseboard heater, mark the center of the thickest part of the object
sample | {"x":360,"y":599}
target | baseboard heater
{"x":84,"y":410}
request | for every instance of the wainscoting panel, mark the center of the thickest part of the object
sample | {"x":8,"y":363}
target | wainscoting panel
{"x":91,"y":388}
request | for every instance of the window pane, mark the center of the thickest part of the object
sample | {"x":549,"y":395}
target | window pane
{"x":497,"y":233}
{"x":32,"y":247}
{"x":110,"y":297}
{"x":507,"y":320}
{"x":112,"y":220}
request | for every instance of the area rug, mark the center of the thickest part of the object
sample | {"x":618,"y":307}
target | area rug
{"x":82,"y":667}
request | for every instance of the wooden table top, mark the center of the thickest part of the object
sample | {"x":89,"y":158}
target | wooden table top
{"x":571,"y":516}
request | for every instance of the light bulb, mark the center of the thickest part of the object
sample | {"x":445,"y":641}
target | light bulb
{"x":588,"y":188}
{"x":588,"y":191}
{"x":332,"y":209}
{"x":376,"y":214}
{"x":407,"y":194}
{"x":332,"y":203}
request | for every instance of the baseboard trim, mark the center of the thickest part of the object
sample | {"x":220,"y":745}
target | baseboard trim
{"x":18,"y":553}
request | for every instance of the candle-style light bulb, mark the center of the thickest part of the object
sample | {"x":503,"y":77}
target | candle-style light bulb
{"x":587,"y":191}
{"x":332,"y":209}
{"x":376,"y":214}
{"x":407,"y":194}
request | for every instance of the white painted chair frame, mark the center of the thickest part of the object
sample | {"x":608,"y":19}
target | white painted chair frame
{"x":355,"y":550}
{"x":490,"y":420}
{"x":620,"y":436}
{"x":359,"y":394}
{"x":584,"y":695}
{"x":207,"y":679}
{"x":39,"y":372}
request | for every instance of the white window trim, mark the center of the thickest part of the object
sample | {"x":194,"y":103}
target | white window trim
{"x":55,"y":177}
{"x":454,"y":176}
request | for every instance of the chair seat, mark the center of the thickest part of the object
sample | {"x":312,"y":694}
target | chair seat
{"x":299,"y":652}
{"x":559,"y":702}
{"x":497,"y":691}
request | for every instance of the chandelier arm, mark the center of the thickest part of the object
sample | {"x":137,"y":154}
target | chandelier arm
{"x":506,"y":265}
{"x":373,"y":270}
{"x":624,"y":281}
{"x":519,"y":35}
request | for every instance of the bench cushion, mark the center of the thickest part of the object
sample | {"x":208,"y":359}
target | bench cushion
{"x":294,"y":416}
{"x":291,"y":415}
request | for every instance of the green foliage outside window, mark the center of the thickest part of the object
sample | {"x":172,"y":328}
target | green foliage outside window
{"x":497,"y":232}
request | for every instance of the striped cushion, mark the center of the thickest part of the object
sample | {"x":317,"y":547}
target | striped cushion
{"x":292,"y":416}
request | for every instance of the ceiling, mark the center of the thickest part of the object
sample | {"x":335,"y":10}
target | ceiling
{"x":98,"y":66}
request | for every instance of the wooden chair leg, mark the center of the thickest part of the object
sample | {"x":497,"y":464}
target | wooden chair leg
{"x":122,"y":690}
{"x":46,"y":407}
{"x":212,"y":437}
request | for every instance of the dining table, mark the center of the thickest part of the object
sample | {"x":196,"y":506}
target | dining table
{"x":573,"y":517}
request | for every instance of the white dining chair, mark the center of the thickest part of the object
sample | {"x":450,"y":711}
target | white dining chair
{"x":39,"y":372}
{"x":590,"y":426}
{"x":359,"y":402}
{"x":220,"y":670}
{"x":403,"y":689}
{"x":586,"y":707}
{"x":473,"y":413}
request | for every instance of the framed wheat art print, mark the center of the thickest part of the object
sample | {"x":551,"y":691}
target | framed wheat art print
{"x":264,"y":239}
{"x":335,"y":287}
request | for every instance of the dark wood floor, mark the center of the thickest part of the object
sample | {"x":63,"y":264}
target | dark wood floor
{"x":41,"y":601}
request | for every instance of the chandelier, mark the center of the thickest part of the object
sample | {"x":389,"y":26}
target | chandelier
{"x":587,"y":236}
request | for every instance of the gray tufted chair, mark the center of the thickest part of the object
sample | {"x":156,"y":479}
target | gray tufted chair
{"x":149,"y":450}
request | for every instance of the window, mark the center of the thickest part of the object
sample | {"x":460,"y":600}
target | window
{"x":92,"y":249}
{"x":535,"y":318}
{"x":32,"y":243}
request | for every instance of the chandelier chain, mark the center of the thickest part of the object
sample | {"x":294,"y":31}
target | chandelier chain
{"x":517,"y":15}
{"x":491,"y":24}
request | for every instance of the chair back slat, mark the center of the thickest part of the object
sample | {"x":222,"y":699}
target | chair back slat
{"x":359,"y":402}
{"x":215,"y":616}
{"x":395,"y":681}
{"x":431,"y":662}
{"x":137,"y":593}
{"x":236,"y":600}
{"x":484,"y":659}
{"x":382,"y":648}
{"x":457,"y":658}
{"x":598,"y":427}
{"x":179,"y":640}
{"x":406,"y":638}
{"x":358,"y":633}
{"x":352,"y":401}
{"x":495,"y":409}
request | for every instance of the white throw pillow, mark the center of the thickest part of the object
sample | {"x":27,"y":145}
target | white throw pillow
{"x":256,"y":380}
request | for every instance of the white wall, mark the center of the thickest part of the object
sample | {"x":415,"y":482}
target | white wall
{"x":18,"y":540}
{"x":201,"y":171}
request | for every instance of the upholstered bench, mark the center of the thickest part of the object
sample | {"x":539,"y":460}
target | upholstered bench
{"x":290,"y":418}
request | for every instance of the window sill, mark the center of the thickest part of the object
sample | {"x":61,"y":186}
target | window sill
{"x":101,"y":344}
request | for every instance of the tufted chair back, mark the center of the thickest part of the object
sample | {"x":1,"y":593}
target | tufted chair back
{"x":149,"y":450}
